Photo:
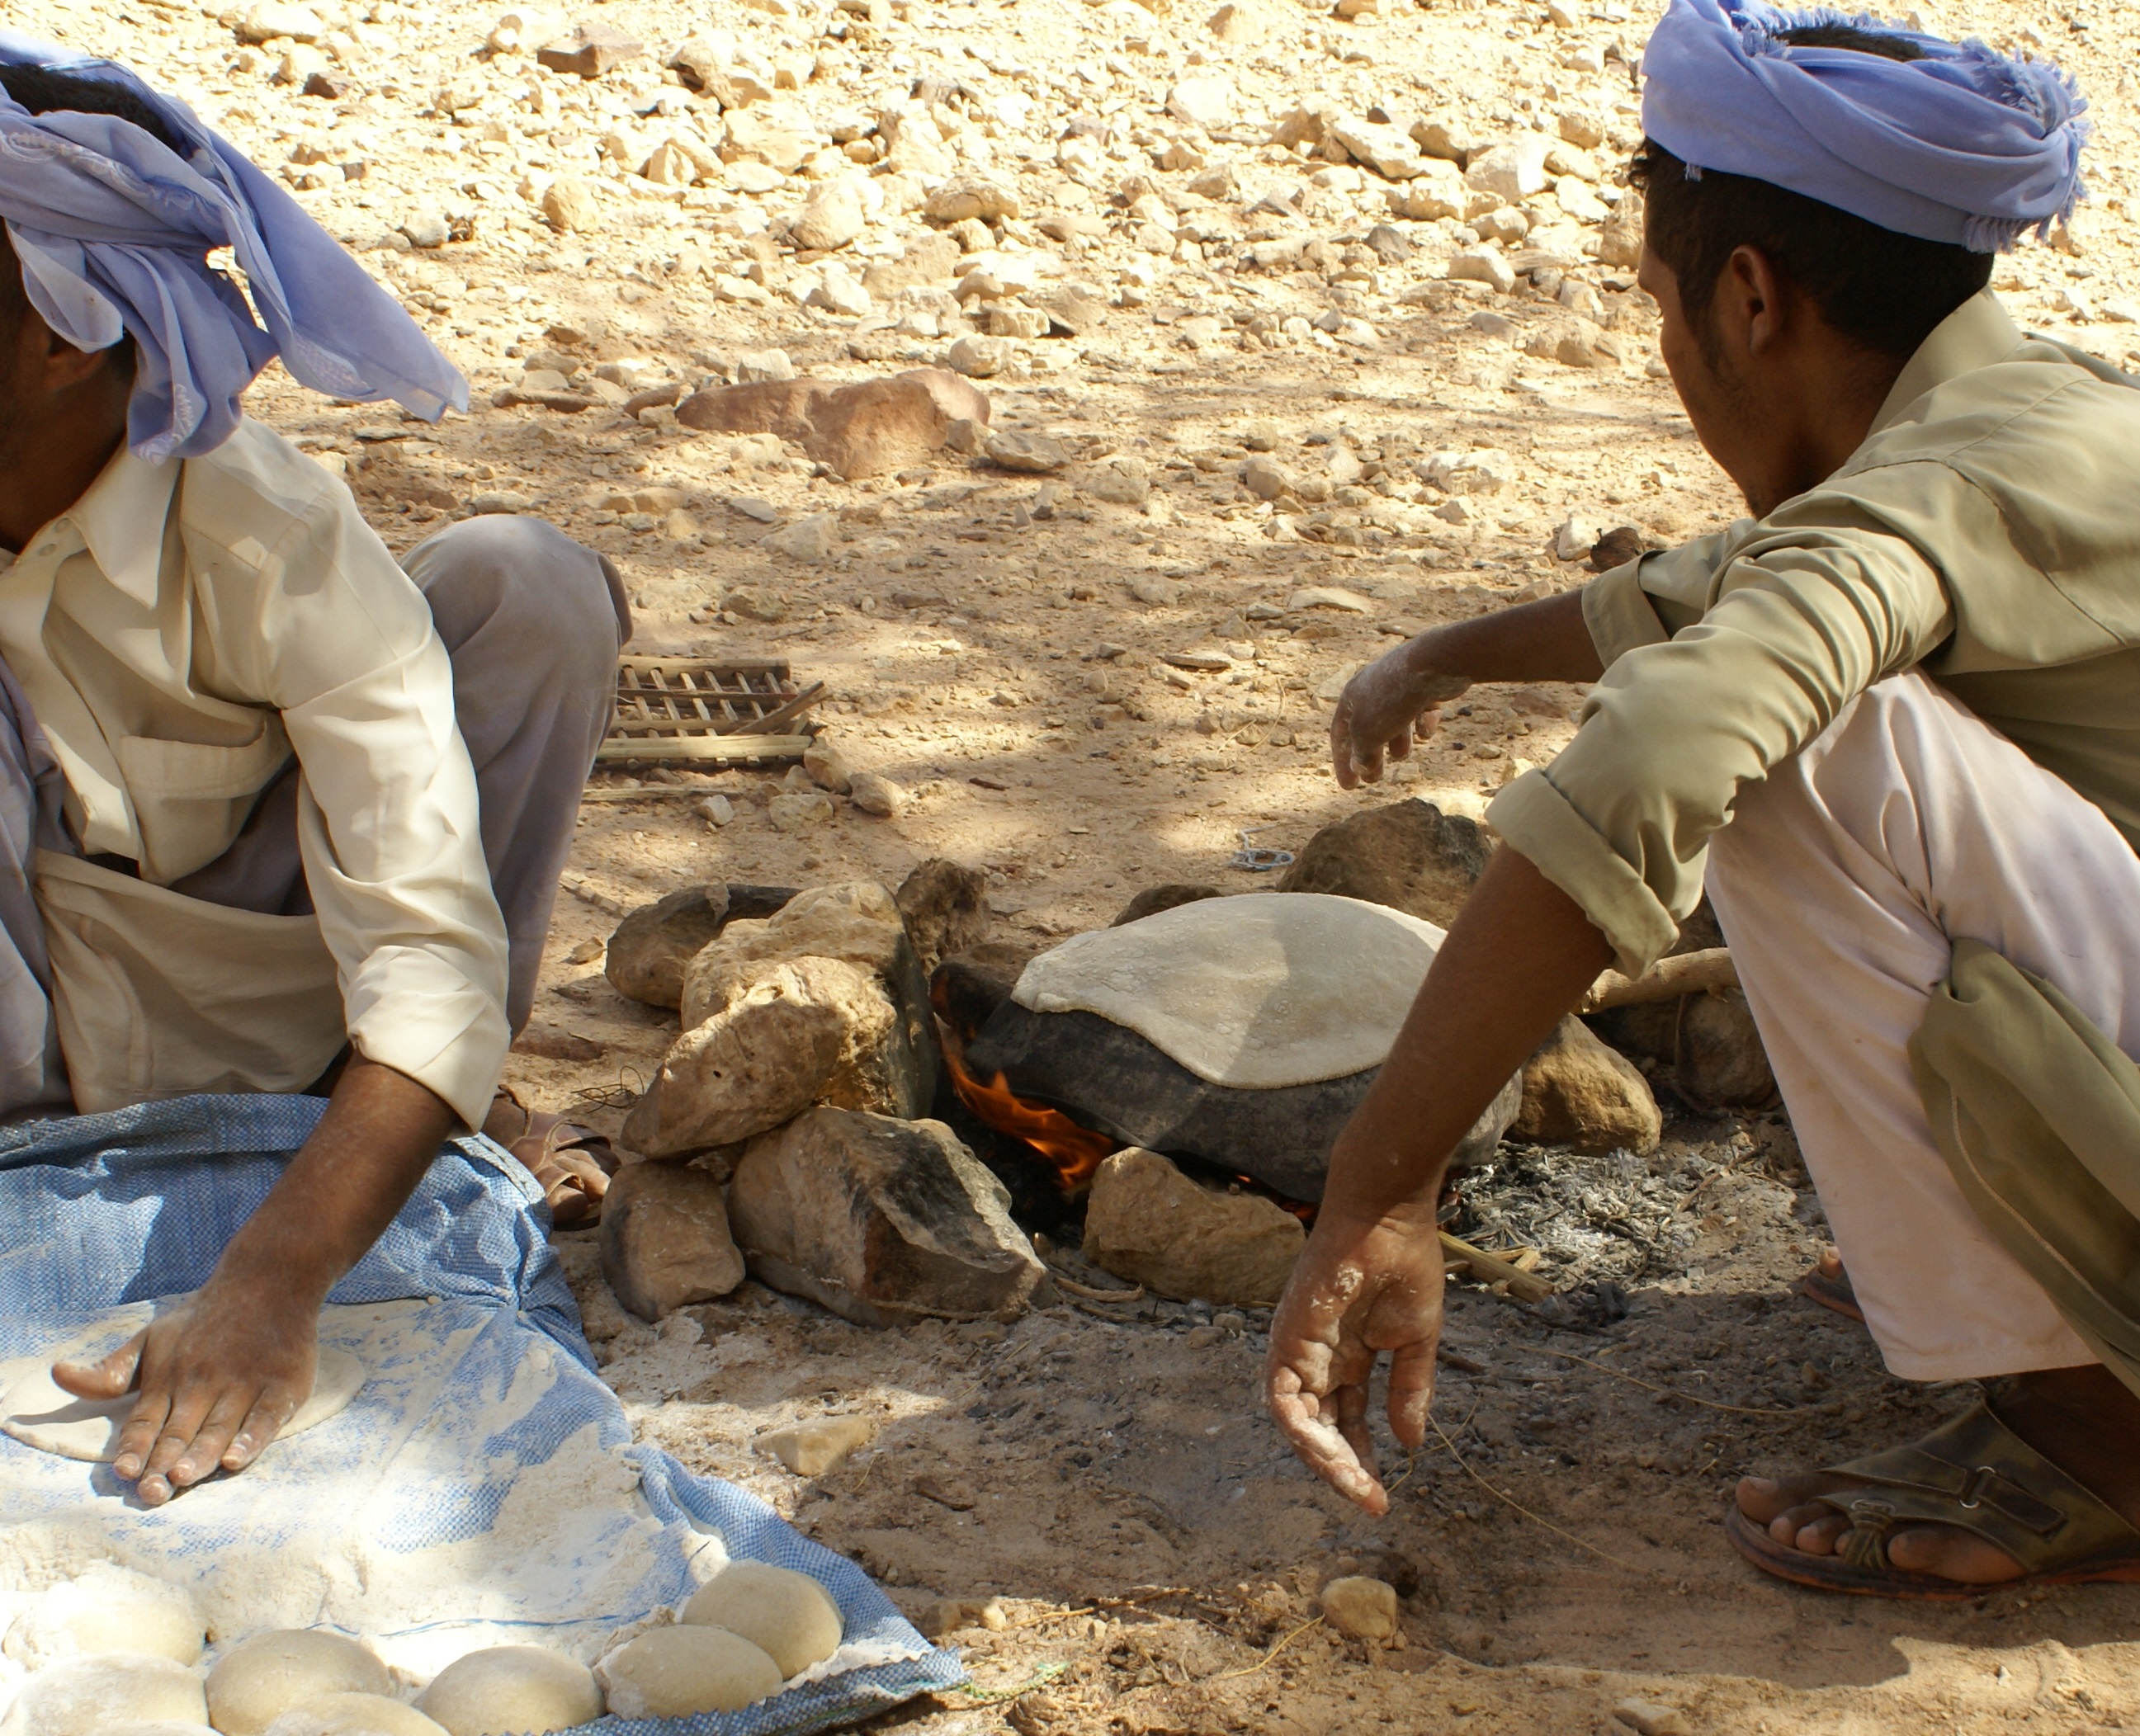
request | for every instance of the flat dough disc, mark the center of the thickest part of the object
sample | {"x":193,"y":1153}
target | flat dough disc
{"x":1259,"y":991}
{"x":40,"y":1413}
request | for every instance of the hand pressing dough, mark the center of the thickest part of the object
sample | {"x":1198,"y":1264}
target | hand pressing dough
{"x":1258,"y":991}
{"x":41,"y":1412}
{"x":255,"y":1683}
{"x":786,"y":1615}
{"x":679,"y":1672}
{"x":87,"y":1696}
{"x":353,"y":1714}
{"x":512,"y":1690}
{"x":108,"y":1608}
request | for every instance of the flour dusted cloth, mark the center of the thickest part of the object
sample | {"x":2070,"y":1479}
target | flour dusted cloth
{"x":482,"y":1488}
{"x":1960,"y":144}
{"x":1258,"y":992}
{"x":114,"y":228}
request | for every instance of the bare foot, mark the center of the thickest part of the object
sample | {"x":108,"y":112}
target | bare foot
{"x":2084,"y":1420}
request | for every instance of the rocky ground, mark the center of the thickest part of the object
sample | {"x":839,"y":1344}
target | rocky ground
{"x":1297,"y":384}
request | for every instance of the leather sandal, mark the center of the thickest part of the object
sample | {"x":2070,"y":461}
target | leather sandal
{"x":570,"y":1164}
{"x":1832,"y":1290}
{"x":1977,"y":1475}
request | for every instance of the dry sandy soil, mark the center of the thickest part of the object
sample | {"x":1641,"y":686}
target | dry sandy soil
{"x":1155,"y":1549}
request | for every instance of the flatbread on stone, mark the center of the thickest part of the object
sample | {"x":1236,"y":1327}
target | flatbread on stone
{"x":1259,"y":991}
{"x":41,"y":1412}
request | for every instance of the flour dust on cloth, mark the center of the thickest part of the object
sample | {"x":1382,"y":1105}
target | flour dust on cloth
{"x":482,"y":1487}
{"x":1258,"y":992}
{"x":36,"y":1411}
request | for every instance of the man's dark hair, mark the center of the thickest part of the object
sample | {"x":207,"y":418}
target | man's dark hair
{"x":41,"y":89}
{"x":1877,"y":288}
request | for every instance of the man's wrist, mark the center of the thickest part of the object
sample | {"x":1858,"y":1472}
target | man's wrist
{"x":1425,"y":665}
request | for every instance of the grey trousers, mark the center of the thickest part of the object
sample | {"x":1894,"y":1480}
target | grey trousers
{"x":533,"y":623}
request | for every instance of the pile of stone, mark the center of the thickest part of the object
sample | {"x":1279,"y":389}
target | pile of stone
{"x":786,"y":1133}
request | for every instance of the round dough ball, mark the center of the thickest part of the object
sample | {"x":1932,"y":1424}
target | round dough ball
{"x":87,"y":1696}
{"x":255,"y":1683}
{"x":786,"y":1615}
{"x":512,"y":1690}
{"x":678,"y":1672}
{"x":353,"y":1714}
{"x":108,"y":1608}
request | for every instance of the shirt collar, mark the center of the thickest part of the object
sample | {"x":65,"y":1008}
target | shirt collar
{"x":121,"y":520}
{"x":1975,"y":336}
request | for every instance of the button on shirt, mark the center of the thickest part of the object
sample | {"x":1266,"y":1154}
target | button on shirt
{"x":182,"y":630}
{"x":1986,"y":533}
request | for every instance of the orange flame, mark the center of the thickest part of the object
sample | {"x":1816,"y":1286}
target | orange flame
{"x":1075,"y":1151}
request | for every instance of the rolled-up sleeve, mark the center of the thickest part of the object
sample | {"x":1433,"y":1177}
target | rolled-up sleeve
{"x":1803,"y":619}
{"x":389,"y":821}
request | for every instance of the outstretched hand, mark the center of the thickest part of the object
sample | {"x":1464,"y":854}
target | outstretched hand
{"x":1359,"y":1288}
{"x":218,"y":1378}
{"x":1383,"y":707}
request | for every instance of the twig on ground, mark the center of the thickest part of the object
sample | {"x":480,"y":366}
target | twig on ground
{"x":1134,"y":1294}
{"x":1526,"y":1287}
{"x":1228,"y":1675}
{"x":1098,"y":1604}
{"x":1464,"y":1465}
{"x":1673,"y":1392}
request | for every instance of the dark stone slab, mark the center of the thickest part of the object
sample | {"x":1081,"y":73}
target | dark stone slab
{"x":1106,"y":1076}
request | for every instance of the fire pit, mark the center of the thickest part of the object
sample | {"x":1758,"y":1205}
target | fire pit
{"x":1238,"y":1034}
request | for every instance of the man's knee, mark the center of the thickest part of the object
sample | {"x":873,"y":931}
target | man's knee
{"x":524,"y":583}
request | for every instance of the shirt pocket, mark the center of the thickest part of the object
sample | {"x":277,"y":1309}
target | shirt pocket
{"x":191,"y":799}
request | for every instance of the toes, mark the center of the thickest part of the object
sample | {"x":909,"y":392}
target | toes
{"x":1819,"y":1536}
{"x":1764,"y":1499}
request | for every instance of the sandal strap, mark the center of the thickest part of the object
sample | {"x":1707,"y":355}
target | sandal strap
{"x":1975,"y":1474}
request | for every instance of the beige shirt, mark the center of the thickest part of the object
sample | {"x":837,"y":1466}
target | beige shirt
{"x":1987,"y":532}
{"x":180,"y":632}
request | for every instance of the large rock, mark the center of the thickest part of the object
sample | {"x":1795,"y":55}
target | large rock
{"x":1579,"y":1092}
{"x":1106,"y":1076}
{"x":945,"y":907}
{"x":863,"y":428}
{"x":1383,"y":149}
{"x":1153,"y":900}
{"x":858,"y":923}
{"x":881,"y":1221}
{"x":1408,"y":855}
{"x":646,"y":956}
{"x":591,"y":50}
{"x":774,"y":1047}
{"x":665,"y":1241}
{"x":823,"y":1001}
{"x":1718,"y":1060}
{"x":831,"y":217}
{"x":1148,"y":1223}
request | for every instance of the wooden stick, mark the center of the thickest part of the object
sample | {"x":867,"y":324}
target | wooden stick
{"x":1490,"y":1269}
{"x":1666,"y":980}
{"x":714,"y":748}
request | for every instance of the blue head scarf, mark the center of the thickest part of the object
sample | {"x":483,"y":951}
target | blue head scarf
{"x":114,"y":230}
{"x":1964,"y":145}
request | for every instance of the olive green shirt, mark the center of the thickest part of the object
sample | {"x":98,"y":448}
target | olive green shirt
{"x":1986,"y":533}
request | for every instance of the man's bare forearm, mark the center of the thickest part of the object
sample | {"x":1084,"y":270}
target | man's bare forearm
{"x":1546,"y":640}
{"x":380,"y":1133}
{"x":1519,"y":953}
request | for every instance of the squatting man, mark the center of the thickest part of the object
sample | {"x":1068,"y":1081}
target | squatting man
{"x":1892,"y":721}
{"x":275,"y":815}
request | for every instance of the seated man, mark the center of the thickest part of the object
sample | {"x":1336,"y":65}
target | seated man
{"x":275,"y":815}
{"x":1897,"y":709}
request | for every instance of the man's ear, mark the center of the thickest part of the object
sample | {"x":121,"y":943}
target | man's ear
{"x":1753,"y":300}
{"x":63,"y":366}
